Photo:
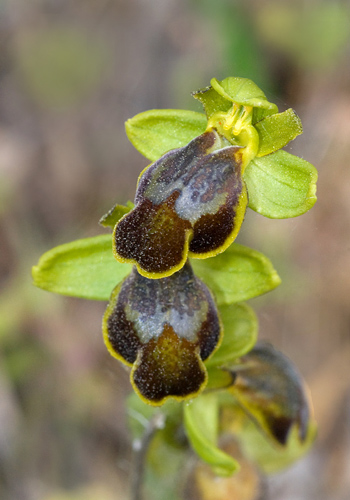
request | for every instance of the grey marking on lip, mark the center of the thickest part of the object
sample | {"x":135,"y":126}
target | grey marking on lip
{"x":181,"y":301}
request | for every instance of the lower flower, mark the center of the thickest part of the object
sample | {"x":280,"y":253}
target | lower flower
{"x":164,"y":329}
{"x":268,"y":387}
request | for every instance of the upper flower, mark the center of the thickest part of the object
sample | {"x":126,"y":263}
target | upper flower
{"x":191,"y":201}
{"x":279,"y":184}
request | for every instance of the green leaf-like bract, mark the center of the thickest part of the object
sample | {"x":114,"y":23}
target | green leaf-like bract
{"x":155,"y":132}
{"x":238,"y":274}
{"x":86,"y":268}
{"x":201,"y":424}
{"x":281,"y":185}
{"x":83,"y":268}
{"x":240,"y":334}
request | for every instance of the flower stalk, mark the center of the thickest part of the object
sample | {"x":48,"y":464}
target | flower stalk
{"x":177,"y":281}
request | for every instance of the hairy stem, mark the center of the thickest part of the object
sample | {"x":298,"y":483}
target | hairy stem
{"x":141,"y":447}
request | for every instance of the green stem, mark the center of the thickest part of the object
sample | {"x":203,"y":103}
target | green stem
{"x":141,"y":447}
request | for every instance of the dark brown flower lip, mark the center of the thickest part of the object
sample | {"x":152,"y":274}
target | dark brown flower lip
{"x":191,"y":202}
{"x":170,"y":367}
{"x":165,"y":329}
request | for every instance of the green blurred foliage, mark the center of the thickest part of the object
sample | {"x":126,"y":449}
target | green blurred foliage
{"x":242,"y":54}
{"x":164,"y":47}
{"x":60,"y":66}
{"x":91,"y":492}
{"x":313,"y":34}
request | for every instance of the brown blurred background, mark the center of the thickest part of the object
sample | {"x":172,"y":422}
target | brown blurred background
{"x":71,"y":73}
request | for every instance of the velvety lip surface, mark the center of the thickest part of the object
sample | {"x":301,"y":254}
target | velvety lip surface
{"x":165,"y":328}
{"x":191,"y":201}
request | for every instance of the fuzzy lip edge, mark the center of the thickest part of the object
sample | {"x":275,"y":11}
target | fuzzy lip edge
{"x":176,"y":398}
{"x":238,"y":217}
{"x":143,"y":272}
{"x":134,"y":366}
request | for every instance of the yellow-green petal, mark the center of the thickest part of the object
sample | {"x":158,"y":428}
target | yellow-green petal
{"x":277,"y":130}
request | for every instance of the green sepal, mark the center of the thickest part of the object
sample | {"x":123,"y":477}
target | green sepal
{"x":83,"y":268}
{"x":86,"y":268}
{"x":242,"y":91}
{"x":115,"y":214}
{"x":201,"y":419}
{"x":238,"y":274}
{"x":277,"y":130}
{"x":221,"y":95}
{"x":281,"y":185}
{"x":155,"y":132}
{"x":240,"y":334}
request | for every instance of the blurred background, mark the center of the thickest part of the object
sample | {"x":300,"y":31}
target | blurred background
{"x":71,"y":73}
